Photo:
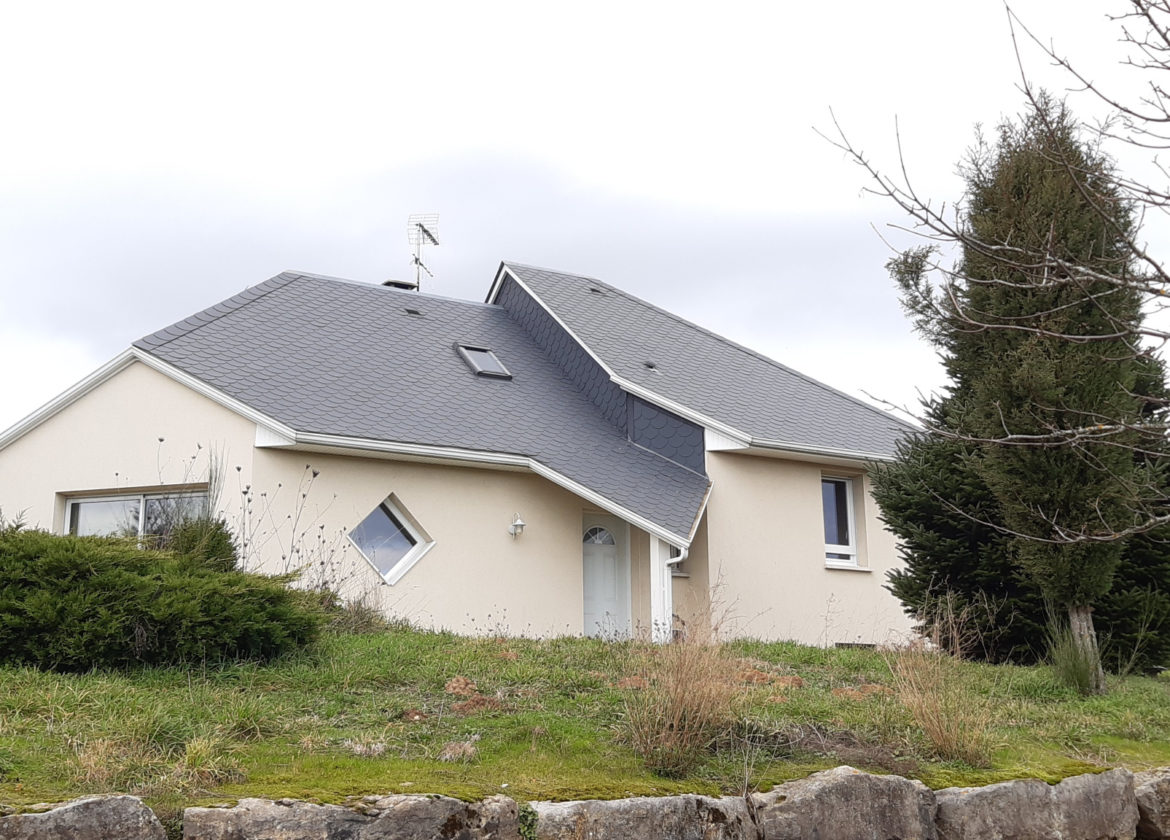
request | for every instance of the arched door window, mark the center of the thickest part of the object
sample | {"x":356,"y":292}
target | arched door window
{"x":598,"y":536}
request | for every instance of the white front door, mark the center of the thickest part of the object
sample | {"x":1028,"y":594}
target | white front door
{"x":605,"y":559}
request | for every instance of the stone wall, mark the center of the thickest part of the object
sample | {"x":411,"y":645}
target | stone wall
{"x":839,"y":804}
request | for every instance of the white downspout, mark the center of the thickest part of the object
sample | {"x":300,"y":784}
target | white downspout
{"x":662,"y":591}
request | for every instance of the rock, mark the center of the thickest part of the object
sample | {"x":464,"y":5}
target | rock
{"x":91,"y":818}
{"x":846,"y":804}
{"x":395,"y":817}
{"x":1092,"y":807}
{"x":686,"y":817}
{"x":1152,"y":790}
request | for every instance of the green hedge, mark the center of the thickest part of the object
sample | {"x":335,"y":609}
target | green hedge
{"x":76,"y":603}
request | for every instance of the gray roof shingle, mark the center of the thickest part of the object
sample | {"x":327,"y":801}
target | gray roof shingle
{"x":328,"y":356}
{"x":708,"y":373}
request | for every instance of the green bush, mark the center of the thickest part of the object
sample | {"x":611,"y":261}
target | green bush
{"x":206,"y":540}
{"x":76,"y":603}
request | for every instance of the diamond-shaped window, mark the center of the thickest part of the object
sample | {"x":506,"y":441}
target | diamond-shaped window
{"x":391,"y":540}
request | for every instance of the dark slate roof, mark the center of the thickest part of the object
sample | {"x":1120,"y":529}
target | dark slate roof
{"x":328,"y":356}
{"x":709,"y":374}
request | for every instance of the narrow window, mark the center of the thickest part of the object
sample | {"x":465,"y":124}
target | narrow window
{"x":483,"y":361}
{"x":390,"y":541}
{"x":837,"y":506}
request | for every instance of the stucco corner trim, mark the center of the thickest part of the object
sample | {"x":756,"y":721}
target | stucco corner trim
{"x":267,"y":438}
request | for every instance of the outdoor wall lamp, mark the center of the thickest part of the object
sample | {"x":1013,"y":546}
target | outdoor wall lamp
{"x":517,"y":527}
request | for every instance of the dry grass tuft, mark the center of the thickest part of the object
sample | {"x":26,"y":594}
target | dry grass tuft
{"x":460,"y":686}
{"x":460,"y":750}
{"x":755,"y":676}
{"x":131,"y":765}
{"x":475,"y":703}
{"x":928,"y":681}
{"x":685,"y":704}
{"x":364,"y":747}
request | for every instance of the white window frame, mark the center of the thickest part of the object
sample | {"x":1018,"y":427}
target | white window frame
{"x":851,"y":549}
{"x":140,"y":497}
{"x":422,"y":541}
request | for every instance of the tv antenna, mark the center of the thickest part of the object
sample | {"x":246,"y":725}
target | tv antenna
{"x":422,"y":229}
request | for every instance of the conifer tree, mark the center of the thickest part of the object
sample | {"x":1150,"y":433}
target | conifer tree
{"x":1044,"y":369}
{"x":933,"y":498}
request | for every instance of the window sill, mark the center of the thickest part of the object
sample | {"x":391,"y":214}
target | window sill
{"x":847,"y":567}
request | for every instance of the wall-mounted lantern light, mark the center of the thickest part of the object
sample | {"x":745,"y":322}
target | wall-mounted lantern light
{"x":517,"y":527}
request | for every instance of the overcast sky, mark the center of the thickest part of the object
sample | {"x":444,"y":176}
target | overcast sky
{"x":156,"y":158}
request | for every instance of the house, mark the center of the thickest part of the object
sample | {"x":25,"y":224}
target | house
{"x":562,"y":458}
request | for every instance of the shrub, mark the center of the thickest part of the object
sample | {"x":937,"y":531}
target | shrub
{"x":76,"y":603}
{"x":208,"y":541}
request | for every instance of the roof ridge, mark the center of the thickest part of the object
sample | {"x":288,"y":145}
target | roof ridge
{"x":733,"y":344}
{"x":202,"y":318}
{"x":213,"y":313}
{"x":383,"y":288}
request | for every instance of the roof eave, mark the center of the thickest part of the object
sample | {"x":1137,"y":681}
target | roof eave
{"x":67,"y":397}
{"x":455,"y":455}
{"x":858,"y":455}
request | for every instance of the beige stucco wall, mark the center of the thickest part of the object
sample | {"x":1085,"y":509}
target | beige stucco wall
{"x":767,"y":555}
{"x":109,"y":440}
{"x":691,"y":590}
{"x":759,"y":548}
{"x":476,"y":578}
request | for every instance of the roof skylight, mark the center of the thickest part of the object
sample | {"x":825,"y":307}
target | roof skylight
{"x":483,"y":361}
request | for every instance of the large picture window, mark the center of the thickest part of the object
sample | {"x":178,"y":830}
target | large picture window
{"x":134,"y":515}
{"x":390,"y":540}
{"x":837,"y":506}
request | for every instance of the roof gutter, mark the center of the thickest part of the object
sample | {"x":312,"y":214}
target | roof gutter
{"x":851,"y":454}
{"x":499,"y":459}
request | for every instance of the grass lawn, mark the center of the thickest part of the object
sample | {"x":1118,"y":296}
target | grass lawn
{"x":387,"y":712}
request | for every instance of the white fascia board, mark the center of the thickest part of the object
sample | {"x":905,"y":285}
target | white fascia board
{"x":714,"y":441}
{"x":503,"y":460}
{"x":698,"y":518}
{"x":681,"y":410}
{"x":497,"y":282}
{"x":119,"y":363}
{"x":412,"y":450}
{"x":609,"y":506}
{"x":495,"y":289}
{"x":847,"y":454}
{"x":214,"y":394}
{"x":266,"y":438}
{"x":66,"y":398}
